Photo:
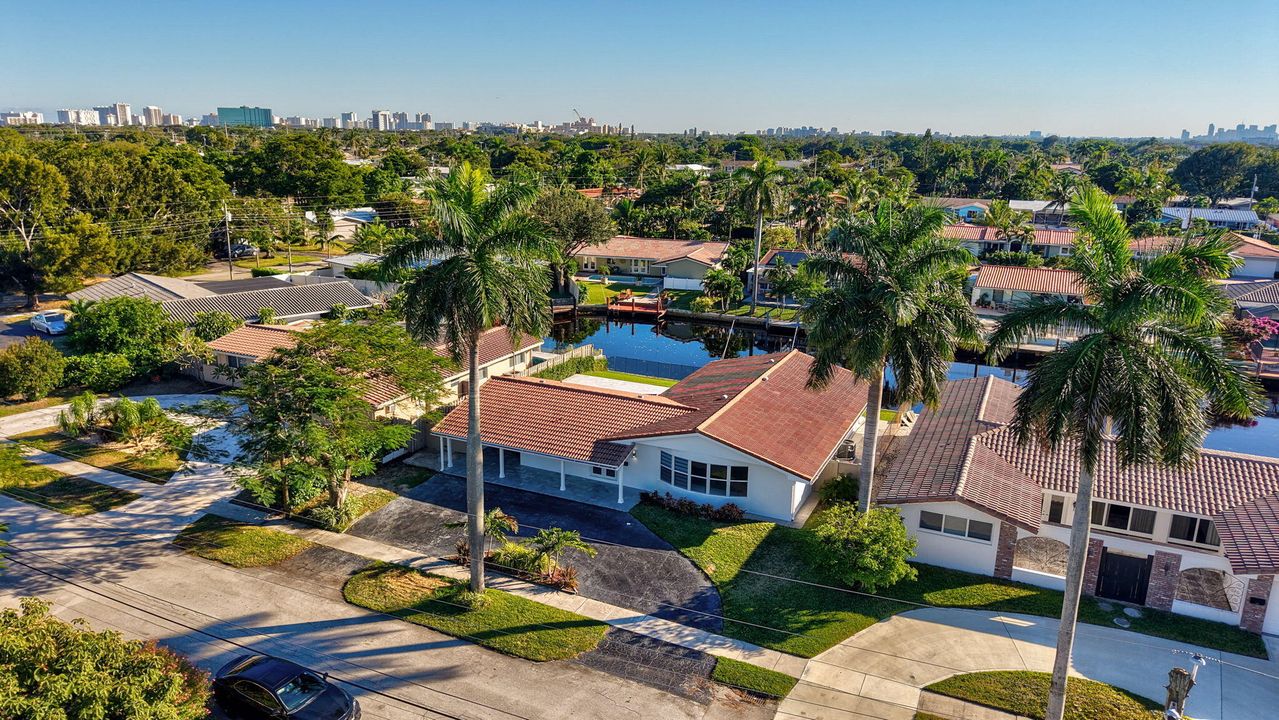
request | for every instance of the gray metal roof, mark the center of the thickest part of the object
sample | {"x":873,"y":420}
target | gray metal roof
{"x":1262,"y":291}
{"x":290,"y":301}
{"x":154,"y":287}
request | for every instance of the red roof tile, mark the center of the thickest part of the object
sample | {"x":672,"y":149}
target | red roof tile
{"x":981,"y":233}
{"x":656,"y":250}
{"x":1252,"y":247}
{"x":1032,"y":280}
{"x":495,"y":344}
{"x":1250,"y":535}
{"x":255,"y":341}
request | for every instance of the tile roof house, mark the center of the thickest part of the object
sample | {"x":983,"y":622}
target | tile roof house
{"x":681,"y":264}
{"x":290,"y":302}
{"x":746,"y":430}
{"x":1007,"y":284}
{"x":980,"y":500}
{"x":499,"y":354}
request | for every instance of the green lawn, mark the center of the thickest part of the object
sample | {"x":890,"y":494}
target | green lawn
{"x":752,"y":678}
{"x":238,"y":544}
{"x":804,"y":620}
{"x":38,"y":485}
{"x":683,"y":300}
{"x":156,"y":468}
{"x":14,"y":408}
{"x":280,"y":260}
{"x":503,"y":622}
{"x":632,"y":377}
{"x":1026,"y":694}
{"x":598,"y":293}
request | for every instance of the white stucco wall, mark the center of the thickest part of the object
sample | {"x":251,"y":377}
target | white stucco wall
{"x":950,"y":551}
{"x":1256,"y":268}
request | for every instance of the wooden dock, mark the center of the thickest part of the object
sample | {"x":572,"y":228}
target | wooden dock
{"x":626,"y":303}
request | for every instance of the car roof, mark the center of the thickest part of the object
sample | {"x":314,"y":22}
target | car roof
{"x":270,"y":672}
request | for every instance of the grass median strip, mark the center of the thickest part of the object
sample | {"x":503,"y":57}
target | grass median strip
{"x":156,"y":468}
{"x":238,"y":544}
{"x":1026,"y":693}
{"x":749,"y":562}
{"x":752,"y":678}
{"x":501,"y":621}
{"x":28,"y":482}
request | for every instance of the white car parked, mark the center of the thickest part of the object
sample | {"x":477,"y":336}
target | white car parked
{"x":51,"y":323}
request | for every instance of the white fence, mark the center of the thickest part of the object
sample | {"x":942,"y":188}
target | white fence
{"x":673,"y":283}
{"x":577,"y":352}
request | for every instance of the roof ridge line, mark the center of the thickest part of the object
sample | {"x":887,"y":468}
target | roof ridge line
{"x":749,"y":386}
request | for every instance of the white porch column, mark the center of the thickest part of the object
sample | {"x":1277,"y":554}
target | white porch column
{"x":620,"y":470}
{"x":448,"y":445}
{"x":442,"y":458}
{"x":501,"y":463}
{"x":561,"y":475}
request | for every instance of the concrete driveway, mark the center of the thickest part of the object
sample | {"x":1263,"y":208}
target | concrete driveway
{"x":14,"y":332}
{"x":633,"y":568}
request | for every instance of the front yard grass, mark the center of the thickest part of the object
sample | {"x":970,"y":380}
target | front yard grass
{"x":752,"y":678}
{"x":238,"y":544}
{"x":1026,"y":694}
{"x":598,"y":293}
{"x":683,"y":300}
{"x":750,"y":563}
{"x":69,"y":495}
{"x":157,"y":468}
{"x":632,"y":377}
{"x":503,"y":622}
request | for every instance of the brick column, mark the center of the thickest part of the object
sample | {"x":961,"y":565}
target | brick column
{"x":1165,"y":573}
{"x":1255,"y":602}
{"x":1092,"y":566}
{"x":1005,"y":549}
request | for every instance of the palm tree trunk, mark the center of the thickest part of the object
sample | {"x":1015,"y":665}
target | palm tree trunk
{"x":759,"y":239}
{"x":475,"y":470}
{"x":1079,"y":528}
{"x":870,"y":439}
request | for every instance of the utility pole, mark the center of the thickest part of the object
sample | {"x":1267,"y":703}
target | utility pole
{"x":226,"y":226}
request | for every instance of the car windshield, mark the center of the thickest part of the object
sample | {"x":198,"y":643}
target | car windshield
{"x":300,"y":690}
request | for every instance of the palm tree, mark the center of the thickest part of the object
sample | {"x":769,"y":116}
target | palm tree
{"x":859,"y":193}
{"x":487,"y":270}
{"x":760,"y":194}
{"x":1062,"y":189}
{"x":812,"y":208}
{"x":643,"y":162}
{"x":895,"y":298}
{"x":1147,"y":368}
{"x":1009,"y":225}
{"x":554,"y":542}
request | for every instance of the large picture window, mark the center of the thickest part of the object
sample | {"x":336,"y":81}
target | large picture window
{"x":1123,"y":517}
{"x":1195,"y":530}
{"x":705,"y":478}
{"x":955,"y":525}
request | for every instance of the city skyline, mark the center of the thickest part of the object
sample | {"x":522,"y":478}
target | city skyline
{"x":979,"y":69}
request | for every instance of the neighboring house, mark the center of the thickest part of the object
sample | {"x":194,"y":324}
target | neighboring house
{"x":1200,"y":541}
{"x":290,"y":302}
{"x":1069,"y":168}
{"x":1216,"y":217}
{"x":498,"y":355}
{"x":980,"y":239}
{"x":152,"y":287}
{"x":610,"y":195}
{"x":1256,"y":298}
{"x":701,"y":170}
{"x":340,"y":264}
{"x":1004,"y":285}
{"x":679,"y":264}
{"x":1260,"y":258}
{"x":735,"y":165}
{"x":965,"y":210}
{"x":346,"y":222}
{"x":746,"y":430}
{"x":792,"y":258}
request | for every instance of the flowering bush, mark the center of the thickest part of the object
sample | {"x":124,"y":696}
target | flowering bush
{"x":1247,"y":330}
{"x":728,"y":512}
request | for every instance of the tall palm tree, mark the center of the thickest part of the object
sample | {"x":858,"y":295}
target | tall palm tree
{"x":643,"y":163}
{"x":761,"y":193}
{"x":488,"y":269}
{"x":1146,"y":369}
{"x":1009,"y":225}
{"x":1062,"y":189}
{"x":812,"y":208}
{"x":894,"y":299}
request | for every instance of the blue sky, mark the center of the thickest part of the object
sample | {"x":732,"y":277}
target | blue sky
{"x":1123,"y":67}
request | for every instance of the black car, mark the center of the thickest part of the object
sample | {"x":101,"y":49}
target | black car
{"x":251,"y":687}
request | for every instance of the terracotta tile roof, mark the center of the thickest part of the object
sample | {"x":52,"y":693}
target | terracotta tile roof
{"x":761,"y":405}
{"x":288,"y":301}
{"x":553,"y":418}
{"x":255,"y":341}
{"x":1033,"y":280}
{"x":495,"y":343}
{"x":956,"y":202}
{"x":1250,"y":535}
{"x":1251,"y":247}
{"x":980,"y":233}
{"x":657,"y":250}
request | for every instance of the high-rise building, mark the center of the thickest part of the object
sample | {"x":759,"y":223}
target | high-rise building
{"x":172,"y":119}
{"x":245,"y":115}
{"x":350,"y":120}
{"x":329,"y":122}
{"x":153,"y":115}
{"x":106,"y":114}
{"x":380,"y":120}
{"x":123,"y":113}
{"x":78,"y":117}
{"x":400,"y":121}
{"x":21,"y":118}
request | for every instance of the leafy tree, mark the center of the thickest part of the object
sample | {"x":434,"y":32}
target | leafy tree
{"x":303,"y":166}
{"x":30,"y":369}
{"x":376,"y":237}
{"x":1217,"y":171}
{"x":210,"y":326}
{"x":491,"y":273}
{"x":33,"y":196}
{"x":308,"y":426}
{"x":813,"y":205}
{"x":723,"y":286}
{"x":266,"y":316}
{"x":1142,"y":377}
{"x":56,"y":669}
{"x":895,"y":298}
{"x":574,"y":222}
{"x":867,"y":550}
{"x":137,"y":328}
{"x":761,"y":194}
{"x":100,"y":372}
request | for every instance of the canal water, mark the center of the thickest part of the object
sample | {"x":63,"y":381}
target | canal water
{"x":676,"y":349}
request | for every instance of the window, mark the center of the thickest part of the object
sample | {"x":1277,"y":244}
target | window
{"x":1123,"y":517}
{"x":705,"y":478}
{"x":1192,"y":529}
{"x":236,"y":362}
{"x":955,"y":525}
{"x":257,"y":694}
{"x":602,"y":471}
{"x":1056,"y":508}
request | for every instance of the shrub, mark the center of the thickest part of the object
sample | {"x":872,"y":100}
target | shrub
{"x":703,"y":304}
{"x":331,"y":518}
{"x":80,"y":415}
{"x":265,"y":272}
{"x":842,"y":488}
{"x":31,"y":369}
{"x":572,"y":367}
{"x":865,"y":550}
{"x":100,"y":372}
{"x":339,"y":312}
{"x":137,"y":328}
{"x":213,"y":325}
{"x":728,"y":512}
{"x":1020,"y":259}
{"x":521,"y":558}
{"x":266,"y":316}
